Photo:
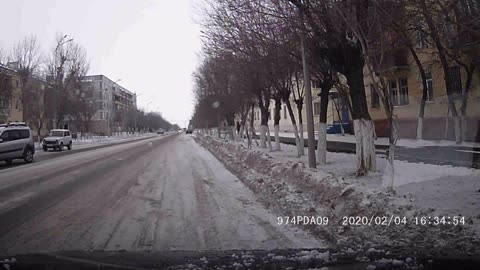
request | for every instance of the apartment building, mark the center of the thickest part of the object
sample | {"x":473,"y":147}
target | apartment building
{"x":12,"y":108}
{"x":112,"y":101}
{"x":403,"y":80}
{"x":338,"y":115}
{"x":10,"y":104}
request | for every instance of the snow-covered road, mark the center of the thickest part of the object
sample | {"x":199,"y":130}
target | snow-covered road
{"x":163,"y":193}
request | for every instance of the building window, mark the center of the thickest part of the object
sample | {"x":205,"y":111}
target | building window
{"x":284,"y":112}
{"x":429,"y":82}
{"x":375,"y":99}
{"x":403,"y":97}
{"x":399,"y":91}
{"x":269,"y":115}
{"x":421,"y":37}
{"x":455,"y":80}
{"x":4,"y":102}
{"x":316,"y":108}
{"x":392,"y":84}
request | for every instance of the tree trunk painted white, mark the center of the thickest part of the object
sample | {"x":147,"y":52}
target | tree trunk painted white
{"x":233,"y":133}
{"x":463,"y":121}
{"x":445,"y":135}
{"x":389,"y":173}
{"x":302,"y":140}
{"x":420,"y":128}
{"x":322,"y":143}
{"x":342,"y":130}
{"x":365,"y":146}
{"x":456,"y":121}
{"x":249,"y":137}
{"x":254,"y":135}
{"x":297,"y":140}
{"x":263,"y":142}
{"x":241,"y":133}
{"x":276,"y":132}
{"x":269,"y":139}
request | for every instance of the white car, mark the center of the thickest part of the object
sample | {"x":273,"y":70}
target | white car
{"x":58,"y":139}
{"x":16,"y":142}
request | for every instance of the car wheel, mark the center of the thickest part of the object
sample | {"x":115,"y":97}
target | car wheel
{"x":9,"y":161}
{"x":45,"y":148}
{"x":28,"y":155}
{"x":69,"y":146}
{"x":60,"y":148}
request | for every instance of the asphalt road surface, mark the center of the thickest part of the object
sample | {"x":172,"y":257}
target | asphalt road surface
{"x":165,"y":193}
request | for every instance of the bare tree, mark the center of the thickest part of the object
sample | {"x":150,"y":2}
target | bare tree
{"x":66,"y":67}
{"x":26,"y":54}
{"x":298,"y":98}
{"x":452,"y":26}
{"x":6,"y":94}
{"x":345,"y":55}
{"x":3,"y":57}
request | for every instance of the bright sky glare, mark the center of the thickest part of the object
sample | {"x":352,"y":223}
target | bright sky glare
{"x":151,"y":45}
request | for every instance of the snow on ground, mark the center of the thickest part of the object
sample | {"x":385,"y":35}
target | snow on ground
{"x":284,"y":183}
{"x":411,"y":143}
{"x":343,"y":164}
{"x":450,"y":190}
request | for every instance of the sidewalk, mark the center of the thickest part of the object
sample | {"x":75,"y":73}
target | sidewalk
{"x":383,"y":141}
{"x":466,"y":154}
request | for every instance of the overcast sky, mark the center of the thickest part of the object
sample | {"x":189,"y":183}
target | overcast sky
{"x":151,"y":45}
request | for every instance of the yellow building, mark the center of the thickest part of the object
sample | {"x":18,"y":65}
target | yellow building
{"x":10,"y":103}
{"x":403,"y":79}
{"x":336,"y":110}
{"x":11,"y":107}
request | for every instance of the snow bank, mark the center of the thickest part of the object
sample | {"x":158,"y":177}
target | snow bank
{"x":284,"y":184}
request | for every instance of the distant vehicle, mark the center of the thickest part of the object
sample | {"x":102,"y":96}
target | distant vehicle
{"x":160,"y":131}
{"x":16,"y":142}
{"x":189,"y":129}
{"x":58,"y":139}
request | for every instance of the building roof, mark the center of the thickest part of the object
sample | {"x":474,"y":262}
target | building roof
{"x":86,"y":79}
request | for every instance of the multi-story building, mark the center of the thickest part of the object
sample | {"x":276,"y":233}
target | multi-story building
{"x":112,"y":99}
{"x":337,"y":113}
{"x":10,"y":105}
{"x":12,"y":108}
{"x":404,"y":82}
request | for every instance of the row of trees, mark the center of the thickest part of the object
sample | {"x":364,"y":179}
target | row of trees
{"x":139,"y":120}
{"x":64,"y":98}
{"x":262,"y":50}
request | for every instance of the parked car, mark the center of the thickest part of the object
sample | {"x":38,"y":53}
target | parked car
{"x":160,"y":131}
{"x":58,"y":139}
{"x":16,"y":142}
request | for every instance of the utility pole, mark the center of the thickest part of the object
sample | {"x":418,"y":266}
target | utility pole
{"x":312,"y":163}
